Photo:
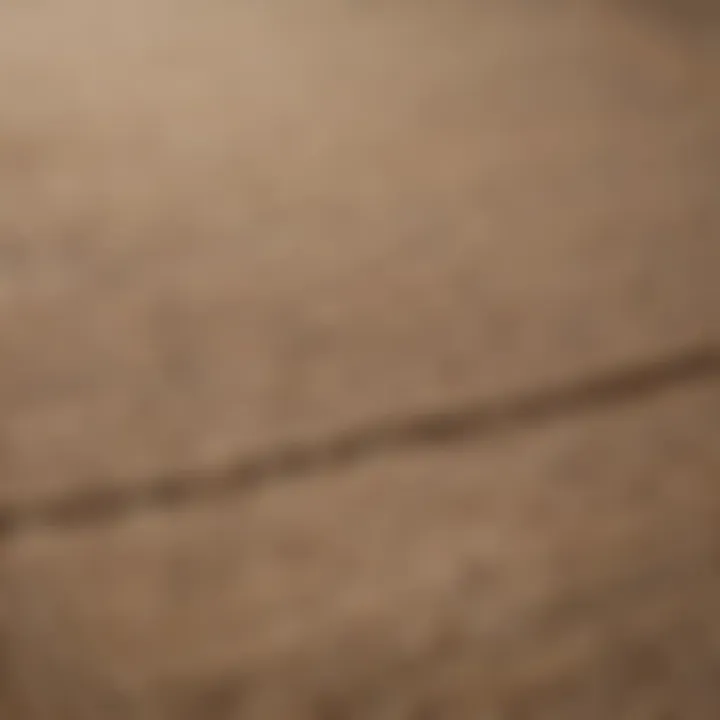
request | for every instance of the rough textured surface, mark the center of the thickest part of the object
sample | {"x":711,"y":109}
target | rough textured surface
{"x":359,"y":360}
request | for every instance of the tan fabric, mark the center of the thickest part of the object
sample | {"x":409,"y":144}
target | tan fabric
{"x":359,"y":360}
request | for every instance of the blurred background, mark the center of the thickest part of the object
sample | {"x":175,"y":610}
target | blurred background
{"x":359,"y":360}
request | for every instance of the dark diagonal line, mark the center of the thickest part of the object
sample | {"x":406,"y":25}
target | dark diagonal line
{"x":476,"y":421}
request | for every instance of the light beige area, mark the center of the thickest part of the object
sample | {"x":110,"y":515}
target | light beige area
{"x":227,"y":227}
{"x":261,"y":221}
